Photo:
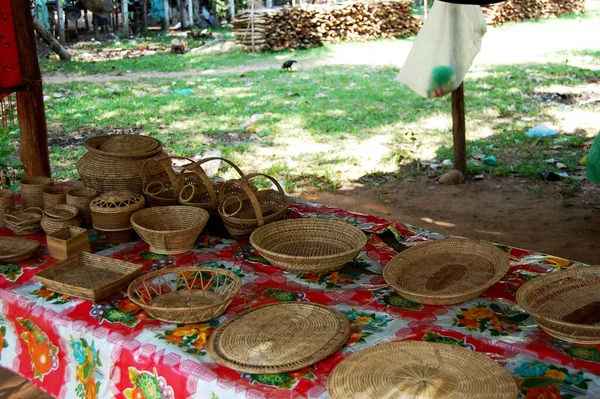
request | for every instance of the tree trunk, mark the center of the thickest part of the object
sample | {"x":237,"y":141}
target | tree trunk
{"x":166,"y":22}
{"x":458,"y":129}
{"x":125,"y":16}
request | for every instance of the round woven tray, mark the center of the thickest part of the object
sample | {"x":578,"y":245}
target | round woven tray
{"x":308,"y":245}
{"x":185,"y":294}
{"x":447,"y":271}
{"x":279,"y":337}
{"x":565,"y":303}
{"x":420,"y":370}
{"x":15,"y":249}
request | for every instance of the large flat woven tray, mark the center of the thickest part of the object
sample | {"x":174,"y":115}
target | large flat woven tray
{"x":278,"y":338}
{"x":89,"y":276}
{"x":16,"y":249}
{"x":413,"y":369}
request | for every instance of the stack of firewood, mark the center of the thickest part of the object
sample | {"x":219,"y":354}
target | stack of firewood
{"x":313,"y":25}
{"x":517,"y":10}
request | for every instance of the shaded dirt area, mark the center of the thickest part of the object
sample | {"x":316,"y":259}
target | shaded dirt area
{"x":504,"y":210}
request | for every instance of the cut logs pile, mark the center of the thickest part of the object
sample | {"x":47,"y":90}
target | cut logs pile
{"x":314,"y":25}
{"x":517,"y":10}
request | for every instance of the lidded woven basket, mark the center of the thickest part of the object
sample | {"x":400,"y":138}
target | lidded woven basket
{"x":113,"y":163}
{"x":565,"y":303}
{"x":112,"y":211}
{"x":32,"y":190}
{"x":243,"y":209}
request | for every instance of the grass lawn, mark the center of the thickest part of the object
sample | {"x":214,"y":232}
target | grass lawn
{"x":341,"y":116}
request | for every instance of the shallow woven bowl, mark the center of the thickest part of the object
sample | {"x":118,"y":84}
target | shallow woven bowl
{"x":447,"y":271}
{"x":565,"y":303}
{"x":308,"y":245}
{"x":413,"y":369}
{"x":185,"y":294}
{"x":15,"y":249}
{"x":170,"y":229}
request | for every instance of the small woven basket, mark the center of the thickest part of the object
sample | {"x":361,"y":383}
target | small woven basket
{"x":565,"y":303}
{"x":197,"y":189}
{"x":186,"y":294}
{"x":243,"y":209}
{"x":170,"y":229}
{"x":55,"y":195}
{"x":32,"y":191}
{"x":446,"y":272}
{"x":162,"y":189}
{"x":7,"y":202}
{"x":80,"y":198}
{"x":58,"y":217}
{"x":112,"y":211}
{"x":16,"y":249}
{"x":308,"y":245}
{"x":23,"y":222}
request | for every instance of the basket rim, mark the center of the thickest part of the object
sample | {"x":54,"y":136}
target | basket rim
{"x":237,"y":287}
{"x":268,"y":253}
{"x":179,"y":208}
{"x":559,"y":274}
{"x":478,"y":290}
{"x":88,"y":144}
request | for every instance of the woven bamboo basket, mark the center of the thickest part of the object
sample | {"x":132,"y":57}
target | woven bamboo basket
{"x":7,"y":202}
{"x":32,"y":190}
{"x":186,"y":294}
{"x":55,"y":195}
{"x":25,"y":221}
{"x":112,"y":211}
{"x":243,"y":209}
{"x":89,"y":276}
{"x":278,"y":337}
{"x":447,"y":271}
{"x":162,"y":189}
{"x":197,"y":189}
{"x":170,"y":229}
{"x":58,"y":217}
{"x":420,"y":370}
{"x":16,"y":249}
{"x":308,"y":245}
{"x":565,"y":303}
{"x":80,"y":198}
{"x":113,"y":163}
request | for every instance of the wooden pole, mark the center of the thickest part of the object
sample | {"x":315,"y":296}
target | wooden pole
{"x":95,"y":24}
{"x":30,"y":103}
{"x":166,"y":23}
{"x":85,"y":18}
{"x":144,"y":16}
{"x":190,"y":8}
{"x":125,"y":16}
{"x":232,"y":8}
{"x":61,"y":22}
{"x":51,"y":41}
{"x":458,"y":129}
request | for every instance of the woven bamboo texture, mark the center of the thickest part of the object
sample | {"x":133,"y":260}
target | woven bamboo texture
{"x":420,"y":370}
{"x":16,"y":249}
{"x":7,"y":202}
{"x":243,"y":209}
{"x":32,"y":190}
{"x":308,"y":245}
{"x":81,"y":198}
{"x":57,"y":217}
{"x":55,"y":195}
{"x":565,"y":303}
{"x":25,"y":221}
{"x":186,"y":294}
{"x":89,"y":276}
{"x":162,"y":188}
{"x":279,"y":337}
{"x":113,"y":163}
{"x":447,"y":271}
{"x":170,"y":229}
{"x":112,"y":211}
{"x":196,"y":187}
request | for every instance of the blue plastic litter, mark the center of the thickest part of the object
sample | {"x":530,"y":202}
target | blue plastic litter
{"x":491,"y":160}
{"x":541,"y":131}
{"x":183,"y":92}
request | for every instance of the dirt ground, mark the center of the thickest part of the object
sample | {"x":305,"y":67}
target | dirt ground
{"x":504,"y":210}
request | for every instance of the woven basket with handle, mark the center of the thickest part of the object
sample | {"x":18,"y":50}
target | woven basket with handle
{"x":243,"y":209}
{"x":162,"y":189}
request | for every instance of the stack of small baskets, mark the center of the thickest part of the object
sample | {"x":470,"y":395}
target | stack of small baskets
{"x":57,"y":217}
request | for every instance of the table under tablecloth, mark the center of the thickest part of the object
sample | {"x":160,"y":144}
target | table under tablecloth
{"x":73,"y":348}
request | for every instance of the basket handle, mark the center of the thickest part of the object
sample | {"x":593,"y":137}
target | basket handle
{"x":195,"y":168}
{"x":18,"y":221}
{"x":166,"y":163}
{"x":251,"y":175}
{"x":244,"y":185}
{"x":233,"y":165}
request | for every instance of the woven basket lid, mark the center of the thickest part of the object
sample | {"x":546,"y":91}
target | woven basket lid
{"x":446,"y":271}
{"x":117,"y":202}
{"x":279,"y":337}
{"x":420,"y":370}
{"x":127,"y":144}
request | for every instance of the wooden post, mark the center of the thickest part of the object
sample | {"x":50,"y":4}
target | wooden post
{"x":166,"y":23}
{"x":144,"y":16}
{"x":125,"y":16}
{"x":30,"y":103}
{"x":51,"y":41}
{"x":85,"y":17}
{"x":232,"y":8}
{"x":95,"y":24}
{"x":458,"y":129}
{"x":190,"y":8}
{"x":61,"y":22}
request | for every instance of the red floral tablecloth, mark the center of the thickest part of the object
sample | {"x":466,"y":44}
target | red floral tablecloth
{"x":73,"y":348}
